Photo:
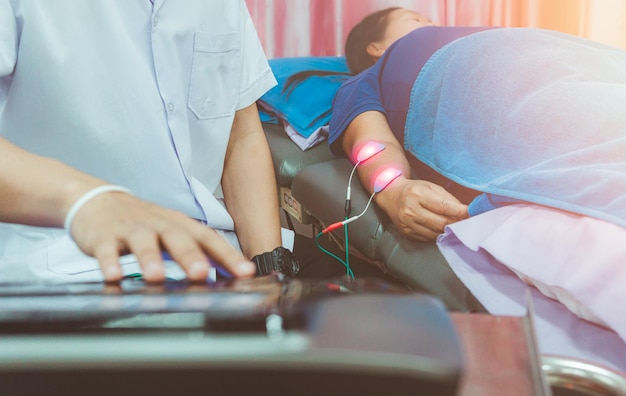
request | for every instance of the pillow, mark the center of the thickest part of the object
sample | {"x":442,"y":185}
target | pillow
{"x":306,"y":107}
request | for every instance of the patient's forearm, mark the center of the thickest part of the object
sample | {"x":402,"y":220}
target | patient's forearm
{"x":372,"y":126}
{"x":418,"y":208}
{"x":35,"y":190}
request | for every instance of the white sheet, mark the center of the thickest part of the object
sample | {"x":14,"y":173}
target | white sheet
{"x":305,"y":143}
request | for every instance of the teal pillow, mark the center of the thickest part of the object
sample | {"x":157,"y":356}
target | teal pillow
{"x":307,"y":105}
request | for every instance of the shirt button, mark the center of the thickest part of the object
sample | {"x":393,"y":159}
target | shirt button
{"x":155,"y":21}
{"x":171,"y":107}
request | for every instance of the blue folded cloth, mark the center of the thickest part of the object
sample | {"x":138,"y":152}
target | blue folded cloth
{"x":305,"y":106}
{"x":526,"y":115}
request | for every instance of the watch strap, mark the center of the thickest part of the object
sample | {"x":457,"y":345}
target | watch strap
{"x":278,"y":260}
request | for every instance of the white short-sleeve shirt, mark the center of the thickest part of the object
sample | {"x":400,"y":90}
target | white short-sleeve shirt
{"x":142,"y":95}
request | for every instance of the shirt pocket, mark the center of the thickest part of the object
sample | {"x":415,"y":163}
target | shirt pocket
{"x":215,"y":75}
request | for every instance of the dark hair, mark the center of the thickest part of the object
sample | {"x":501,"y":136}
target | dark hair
{"x":369,"y":30}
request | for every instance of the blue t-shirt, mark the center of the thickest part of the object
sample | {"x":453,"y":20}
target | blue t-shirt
{"x":386,"y":86}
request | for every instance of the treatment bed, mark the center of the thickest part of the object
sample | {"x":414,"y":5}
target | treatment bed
{"x":312,"y":183}
{"x":575,"y":291}
{"x":312,"y":187}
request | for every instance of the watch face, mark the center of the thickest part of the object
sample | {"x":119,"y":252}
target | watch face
{"x":286,"y":262}
{"x":295,"y":267}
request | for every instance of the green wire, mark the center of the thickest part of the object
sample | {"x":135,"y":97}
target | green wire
{"x":347,"y":248}
{"x":348,"y":269}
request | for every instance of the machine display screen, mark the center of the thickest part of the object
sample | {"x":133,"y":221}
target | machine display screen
{"x":87,"y":303}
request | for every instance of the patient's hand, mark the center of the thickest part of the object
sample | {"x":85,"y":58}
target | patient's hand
{"x":116,"y":223}
{"x":420,"y":209}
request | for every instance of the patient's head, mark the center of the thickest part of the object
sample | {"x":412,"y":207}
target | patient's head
{"x":369,"y":39}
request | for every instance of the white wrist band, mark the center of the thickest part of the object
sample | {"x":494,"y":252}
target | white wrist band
{"x":88,"y":196}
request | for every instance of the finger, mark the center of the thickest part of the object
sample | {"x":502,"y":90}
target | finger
{"x":427,"y":222}
{"x":446,"y":206}
{"x":224,"y":254}
{"x":107,"y":254}
{"x":145,"y":246}
{"x":187,"y":252}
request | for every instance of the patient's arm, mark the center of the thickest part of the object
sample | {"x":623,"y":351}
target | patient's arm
{"x":40,"y":191}
{"x":418,"y":208}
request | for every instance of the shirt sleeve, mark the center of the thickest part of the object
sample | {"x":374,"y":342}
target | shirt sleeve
{"x":358,"y":95}
{"x":257,"y":77}
{"x":8,"y":38}
{"x":8,"y":48}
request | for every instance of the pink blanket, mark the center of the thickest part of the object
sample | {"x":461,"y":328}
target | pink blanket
{"x":575,"y":266}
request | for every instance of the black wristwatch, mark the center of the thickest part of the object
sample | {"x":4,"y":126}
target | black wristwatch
{"x":278,"y":260}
